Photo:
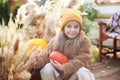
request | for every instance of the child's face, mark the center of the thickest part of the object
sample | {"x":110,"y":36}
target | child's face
{"x":72,"y":29}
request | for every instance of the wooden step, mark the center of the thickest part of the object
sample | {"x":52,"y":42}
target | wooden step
{"x":107,"y":72}
{"x":108,"y":69}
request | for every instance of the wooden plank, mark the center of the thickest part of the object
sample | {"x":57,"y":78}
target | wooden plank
{"x":106,"y":72}
{"x":96,"y":64}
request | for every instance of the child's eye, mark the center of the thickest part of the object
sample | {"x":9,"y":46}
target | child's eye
{"x":76,"y":26}
{"x":68,"y":26}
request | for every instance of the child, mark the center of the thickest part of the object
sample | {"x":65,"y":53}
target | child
{"x":74,"y":44}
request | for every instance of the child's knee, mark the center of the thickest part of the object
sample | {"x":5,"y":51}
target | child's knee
{"x":48,"y":68}
{"x":82,"y":71}
{"x":85,"y":74}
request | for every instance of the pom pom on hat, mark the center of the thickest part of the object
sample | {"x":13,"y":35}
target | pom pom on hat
{"x":70,"y":15}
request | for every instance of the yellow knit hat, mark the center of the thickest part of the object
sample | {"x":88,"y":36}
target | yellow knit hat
{"x":69,"y":15}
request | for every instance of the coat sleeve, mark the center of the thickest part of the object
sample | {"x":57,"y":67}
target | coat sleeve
{"x":80,"y":60}
{"x":43,"y":57}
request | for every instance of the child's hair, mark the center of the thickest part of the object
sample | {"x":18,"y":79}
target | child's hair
{"x":65,"y":45}
{"x":70,"y":15}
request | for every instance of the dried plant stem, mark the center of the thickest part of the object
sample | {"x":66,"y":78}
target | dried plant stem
{"x":1,"y":67}
{"x":22,"y":66}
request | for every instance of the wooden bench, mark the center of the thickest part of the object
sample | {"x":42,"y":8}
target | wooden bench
{"x":108,"y":41}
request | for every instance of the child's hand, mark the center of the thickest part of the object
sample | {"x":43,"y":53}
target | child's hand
{"x":57,"y":65}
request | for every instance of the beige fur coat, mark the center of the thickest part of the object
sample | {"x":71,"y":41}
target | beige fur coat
{"x":77,"y":59}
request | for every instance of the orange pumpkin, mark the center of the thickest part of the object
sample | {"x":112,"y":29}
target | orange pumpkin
{"x":59,"y":57}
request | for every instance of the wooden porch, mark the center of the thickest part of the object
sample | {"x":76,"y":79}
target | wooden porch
{"x":108,"y":69}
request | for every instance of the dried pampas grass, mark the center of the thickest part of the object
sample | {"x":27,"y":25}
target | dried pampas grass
{"x":24,"y":75}
{"x":74,"y":4}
